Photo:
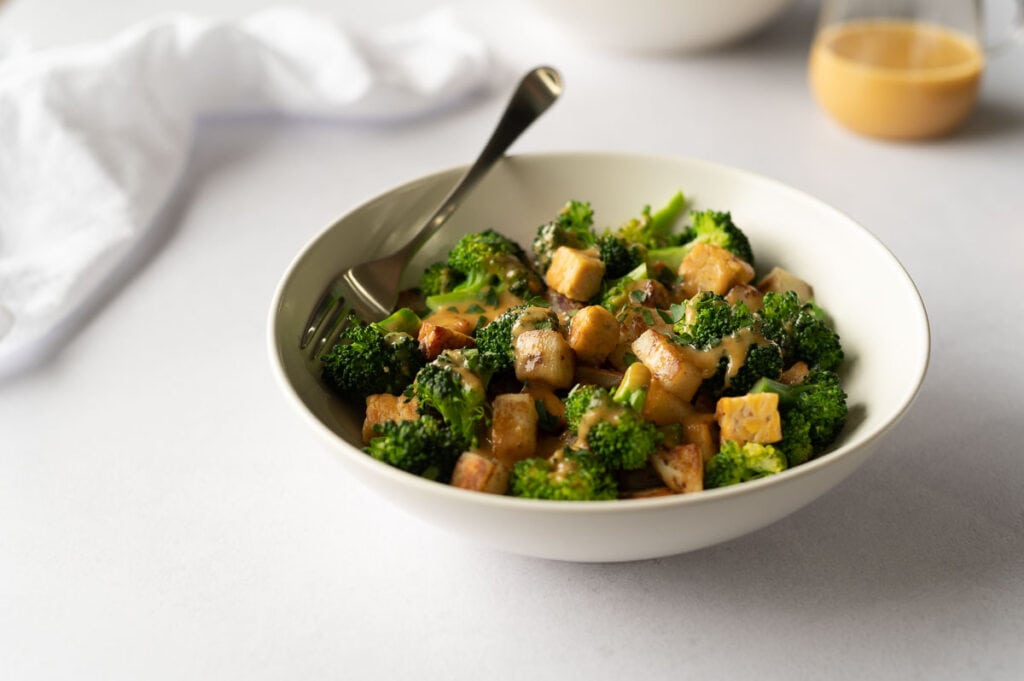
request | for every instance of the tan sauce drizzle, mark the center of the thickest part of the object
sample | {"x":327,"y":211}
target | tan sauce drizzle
{"x":489,"y":312}
{"x":734,"y":348}
{"x":531,"y":318}
{"x":595,"y":416}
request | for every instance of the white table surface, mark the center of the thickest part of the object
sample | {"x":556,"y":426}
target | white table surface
{"x":165,"y":515}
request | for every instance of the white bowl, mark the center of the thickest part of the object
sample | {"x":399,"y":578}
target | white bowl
{"x":863,"y":286}
{"x":659,"y":25}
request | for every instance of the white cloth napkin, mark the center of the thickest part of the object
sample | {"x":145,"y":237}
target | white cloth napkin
{"x":93,"y":138}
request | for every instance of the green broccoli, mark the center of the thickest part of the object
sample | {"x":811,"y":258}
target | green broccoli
{"x":706,"y":321}
{"x":440,"y":278}
{"x":812,"y":412}
{"x":496,"y":340}
{"x":615,"y":433}
{"x":573,"y":227}
{"x":802,"y":331}
{"x":708,"y":318}
{"x":455,"y":386}
{"x":488,"y":263}
{"x":369,"y":359}
{"x":425,"y":447}
{"x":568,"y":475}
{"x":583,"y":398}
{"x":632,"y":389}
{"x":735,"y":463}
{"x":655,"y":231}
{"x":709,"y":226}
{"x":619,"y":256}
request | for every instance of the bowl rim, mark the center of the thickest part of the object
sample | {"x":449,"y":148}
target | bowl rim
{"x":457,"y":495}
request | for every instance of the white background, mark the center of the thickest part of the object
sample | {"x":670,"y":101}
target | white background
{"x":165,"y":515}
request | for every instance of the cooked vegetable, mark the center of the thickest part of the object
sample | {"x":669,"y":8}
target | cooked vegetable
{"x":370,"y":358}
{"x":484,"y":264}
{"x":425,"y":447}
{"x":567,"y":475}
{"x":736,"y":463}
{"x":454,"y":386}
{"x":644,"y":362}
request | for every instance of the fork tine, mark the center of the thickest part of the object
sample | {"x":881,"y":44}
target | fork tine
{"x":328,"y":300}
{"x":331,"y":329}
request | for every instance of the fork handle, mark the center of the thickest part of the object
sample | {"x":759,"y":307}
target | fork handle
{"x":536,"y":92}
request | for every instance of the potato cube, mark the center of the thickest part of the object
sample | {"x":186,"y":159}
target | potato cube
{"x":436,"y":339}
{"x":780,"y":281}
{"x":479,"y":473}
{"x":593,"y":334}
{"x":384,"y":407}
{"x":702,"y":430}
{"x":513,"y":428}
{"x":746,"y":294}
{"x":668,"y":363}
{"x":681,"y":468}
{"x":750,"y":418}
{"x":662,"y":407}
{"x":606,"y":378}
{"x":544,"y":355}
{"x":575,"y":274}
{"x":456,"y":321}
{"x":712,"y":268}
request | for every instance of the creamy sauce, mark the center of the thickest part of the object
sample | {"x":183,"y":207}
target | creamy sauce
{"x":896,"y":78}
{"x":733,"y":348}
{"x":472,"y":312}
{"x":534,"y":318}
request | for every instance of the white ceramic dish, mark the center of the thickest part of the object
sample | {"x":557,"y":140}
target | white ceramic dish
{"x":855,"y":277}
{"x":659,"y":25}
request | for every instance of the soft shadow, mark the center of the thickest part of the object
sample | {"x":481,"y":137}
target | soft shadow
{"x":991,"y":119}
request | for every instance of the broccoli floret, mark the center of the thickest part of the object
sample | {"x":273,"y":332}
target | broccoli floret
{"x":619,"y":256}
{"x":573,"y":227}
{"x":618,"y":435}
{"x":454,"y":386}
{"x":653,"y":231}
{"x":709,"y":226}
{"x":568,"y":475}
{"x":625,"y":442}
{"x":762,"y":360}
{"x":708,"y":318}
{"x":734,"y":463}
{"x":439,"y":278}
{"x":368,"y":359}
{"x":496,"y":340}
{"x":801,"y":330}
{"x":424,"y":447}
{"x":488,"y":263}
{"x":583,"y":398}
{"x":818,"y":400}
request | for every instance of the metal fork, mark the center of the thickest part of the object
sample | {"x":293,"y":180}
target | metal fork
{"x":370,"y":290}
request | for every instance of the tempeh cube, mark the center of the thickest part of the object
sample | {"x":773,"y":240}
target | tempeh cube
{"x":750,"y":418}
